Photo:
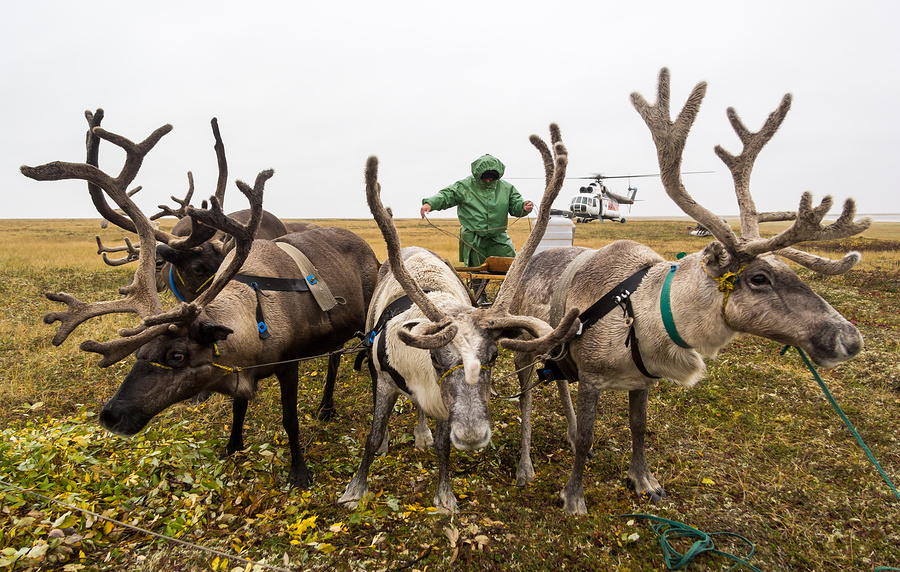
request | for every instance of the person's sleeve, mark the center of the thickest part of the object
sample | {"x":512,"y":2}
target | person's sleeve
{"x":516,"y":203}
{"x":444,"y":199}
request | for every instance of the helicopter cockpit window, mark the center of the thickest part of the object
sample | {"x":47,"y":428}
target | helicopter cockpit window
{"x":595,"y":201}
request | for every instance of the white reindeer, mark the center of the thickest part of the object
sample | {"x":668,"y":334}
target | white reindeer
{"x":437,"y":348}
{"x":681,"y":312}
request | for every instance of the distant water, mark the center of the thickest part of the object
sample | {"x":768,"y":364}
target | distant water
{"x":889,"y":217}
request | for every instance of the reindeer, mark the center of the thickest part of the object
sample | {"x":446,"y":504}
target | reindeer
{"x":677,"y":313}
{"x":438,"y":349}
{"x":214,"y":343}
{"x":187,"y":266}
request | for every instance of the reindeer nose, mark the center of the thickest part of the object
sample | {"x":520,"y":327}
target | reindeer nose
{"x":471,"y":438}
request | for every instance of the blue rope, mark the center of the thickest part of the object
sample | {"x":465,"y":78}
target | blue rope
{"x":672,"y":530}
{"x":844,"y":418}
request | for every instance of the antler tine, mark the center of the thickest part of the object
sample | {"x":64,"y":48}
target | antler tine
{"x":219,"y":147}
{"x":243,"y":233}
{"x":821,"y":264}
{"x":808,"y":226}
{"x":555,"y":174}
{"x":779,"y":216}
{"x":133,"y":252}
{"x":669,"y":138}
{"x":741,"y":166}
{"x":392,"y":240}
{"x":181,"y":211}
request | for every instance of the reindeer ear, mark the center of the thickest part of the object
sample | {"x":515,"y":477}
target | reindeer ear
{"x":207,"y":333}
{"x":716,"y":258}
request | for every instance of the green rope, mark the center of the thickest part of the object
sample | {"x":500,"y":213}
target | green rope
{"x":844,"y":418}
{"x":672,"y":530}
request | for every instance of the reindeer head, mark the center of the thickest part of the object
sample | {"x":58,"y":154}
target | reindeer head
{"x":760,"y":294}
{"x":462,"y":339}
{"x":158,"y":328}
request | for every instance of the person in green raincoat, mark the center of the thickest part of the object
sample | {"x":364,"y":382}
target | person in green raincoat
{"x":483,"y":203}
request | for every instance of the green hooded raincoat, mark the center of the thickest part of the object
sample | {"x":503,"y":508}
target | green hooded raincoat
{"x":482,"y":209}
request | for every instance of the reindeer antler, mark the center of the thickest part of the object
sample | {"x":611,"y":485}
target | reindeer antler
{"x":132,"y":249}
{"x":669,"y":138}
{"x":554,"y":175}
{"x":140,"y":295}
{"x":392,"y":240}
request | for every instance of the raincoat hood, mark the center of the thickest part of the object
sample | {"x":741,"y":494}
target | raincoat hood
{"x":487,"y":163}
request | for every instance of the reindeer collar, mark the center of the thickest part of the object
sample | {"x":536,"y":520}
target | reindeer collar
{"x":665,"y":308}
{"x":174,"y":272}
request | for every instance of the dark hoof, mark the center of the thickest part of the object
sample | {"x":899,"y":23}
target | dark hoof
{"x":326,"y":414}
{"x":301,"y":481}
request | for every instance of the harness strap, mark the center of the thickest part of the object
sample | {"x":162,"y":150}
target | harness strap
{"x":632,"y":341}
{"x":617,"y":296}
{"x":318,"y":288}
{"x":260,"y":283}
{"x":398,"y":306}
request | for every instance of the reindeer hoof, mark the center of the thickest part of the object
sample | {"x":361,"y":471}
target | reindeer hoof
{"x":326,"y":414}
{"x":301,"y":480}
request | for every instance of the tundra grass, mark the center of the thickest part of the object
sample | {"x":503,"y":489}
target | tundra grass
{"x":754,"y":448}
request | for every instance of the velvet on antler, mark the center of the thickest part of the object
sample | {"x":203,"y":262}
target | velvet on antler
{"x":670,"y":136}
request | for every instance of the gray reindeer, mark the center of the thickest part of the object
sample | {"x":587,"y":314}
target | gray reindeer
{"x":216,"y":342}
{"x":438,"y":349}
{"x":676,"y":313}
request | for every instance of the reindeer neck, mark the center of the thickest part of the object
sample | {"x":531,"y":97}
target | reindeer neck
{"x":695,"y":310}
{"x":694,"y":306}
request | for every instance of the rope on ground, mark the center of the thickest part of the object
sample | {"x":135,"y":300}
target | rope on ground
{"x":672,"y":530}
{"x":212,"y":551}
{"x":843,"y":417}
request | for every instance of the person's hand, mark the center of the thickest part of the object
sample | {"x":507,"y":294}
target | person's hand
{"x":528,"y":206}
{"x":426,"y":208}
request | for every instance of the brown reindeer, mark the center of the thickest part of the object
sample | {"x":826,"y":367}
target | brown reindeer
{"x":676,"y":313}
{"x":214,"y":343}
{"x":438,"y":349}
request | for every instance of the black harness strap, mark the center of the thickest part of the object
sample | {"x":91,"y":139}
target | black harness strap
{"x":633,"y":342}
{"x":618,"y":296}
{"x":611,"y":299}
{"x":398,"y":306}
{"x":260,"y":283}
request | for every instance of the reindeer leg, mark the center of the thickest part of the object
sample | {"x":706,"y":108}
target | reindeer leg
{"x":565,"y":400}
{"x":525,"y":470}
{"x":424,"y":439}
{"x":238,"y":414}
{"x":639,"y":473}
{"x":326,"y":408}
{"x":444,"y":499}
{"x":572,"y":494}
{"x":299,"y":474}
{"x":385,"y":397}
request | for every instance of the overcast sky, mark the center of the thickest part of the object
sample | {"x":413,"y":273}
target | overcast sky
{"x":312,"y":89}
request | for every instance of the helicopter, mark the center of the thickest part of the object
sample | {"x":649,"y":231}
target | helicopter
{"x":596,"y":202}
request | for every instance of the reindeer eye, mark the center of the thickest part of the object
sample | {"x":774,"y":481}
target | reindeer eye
{"x":177,"y":358}
{"x":759,"y":279}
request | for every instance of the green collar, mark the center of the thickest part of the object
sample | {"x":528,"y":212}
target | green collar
{"x":665,"y":308}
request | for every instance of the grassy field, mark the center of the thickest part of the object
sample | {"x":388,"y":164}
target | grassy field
{"x":755,"y":449}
